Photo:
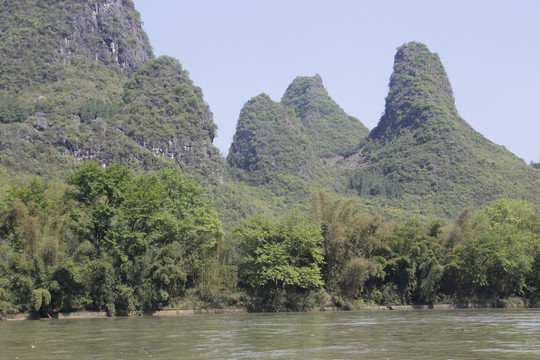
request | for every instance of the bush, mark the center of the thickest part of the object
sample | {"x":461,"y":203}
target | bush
{"x":12,"y":110}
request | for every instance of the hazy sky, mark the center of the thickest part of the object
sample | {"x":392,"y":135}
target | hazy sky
{"x":237,"y":49}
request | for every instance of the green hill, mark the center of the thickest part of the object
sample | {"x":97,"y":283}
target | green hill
{"x":166,"y":114}
{"x":425,"y":157}
{"x":331,"y":131}
{"x":79,"y":82}
{"x":285,"y":146}
{"x":422,"y":159}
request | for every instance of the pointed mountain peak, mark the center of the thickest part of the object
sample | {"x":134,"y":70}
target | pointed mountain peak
{"x":262,"y":98}
{"x":270,"y":140}
{"x":411,"y":51}
{"x":420,"y":94}
{"x":305,"y":89}
{"x":331,"y":130}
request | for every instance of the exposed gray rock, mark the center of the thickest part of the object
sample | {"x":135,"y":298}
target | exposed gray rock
{"x":108,"y":31}
{"x":39,"y":121}
{"x":75,"y":121}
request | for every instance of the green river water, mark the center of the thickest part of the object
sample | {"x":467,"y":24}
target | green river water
{"x":424,"y":334}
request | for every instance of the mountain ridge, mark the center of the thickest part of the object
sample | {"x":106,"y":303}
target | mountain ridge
{"x":86,"y":86}
{"x":71,"y":80}
{"x":424,"y":147}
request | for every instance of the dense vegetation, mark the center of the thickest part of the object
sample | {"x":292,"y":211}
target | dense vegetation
{"x":331,"y":131}
{"x":79,"y":82}
{"x":40,"y":39}
{"x":165,"y":113}
{"x":286,"y":146}
{"x":421,"y":210}
{"x":271,"y":148}
{"x":107,"y":239}
{"x":421,"y":160}
{"x":424,"y":152}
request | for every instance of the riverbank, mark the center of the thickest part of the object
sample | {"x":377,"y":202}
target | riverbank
{"x":190,"y":312}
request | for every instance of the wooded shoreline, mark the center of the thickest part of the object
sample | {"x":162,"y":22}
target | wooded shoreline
{"x":189,"y":312}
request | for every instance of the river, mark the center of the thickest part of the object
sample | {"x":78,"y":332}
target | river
{"x":423,"y":334}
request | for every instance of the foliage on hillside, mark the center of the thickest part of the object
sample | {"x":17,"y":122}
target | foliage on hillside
{"x":429,"y":154}
{"x":284,"y":146}
{"x":331,"y":131}
{"x":106,"y":239}
{"x":41,"y":38}
{"x":166,"y":113}
{"x":422,"y":159}
{"x":271,"y":148}
{"x":420,"y":96}
{"x":65,"y":68}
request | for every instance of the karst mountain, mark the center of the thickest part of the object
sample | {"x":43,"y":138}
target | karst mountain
{"x":79,"y":81}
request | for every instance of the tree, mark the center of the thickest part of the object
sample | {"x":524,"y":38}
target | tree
{"x":100,"y":191}
{"x":282,"y":255}
{"x":500,"y":255}
{"x":157,"y":229}
{"x":352,"y":245}
{"x":415,"y":265}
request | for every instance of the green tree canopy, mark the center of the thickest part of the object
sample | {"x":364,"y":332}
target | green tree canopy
{"x":285,"y":254}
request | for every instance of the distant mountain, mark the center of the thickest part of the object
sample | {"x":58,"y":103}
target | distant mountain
{"x":284,"y":145}
{"x":331,"y":131}
{"x":271,"y":140}
{"x":166,"y":114}
{"x":421,"y":159}
{"x":79,"y":82}
{"x":425,"y":157}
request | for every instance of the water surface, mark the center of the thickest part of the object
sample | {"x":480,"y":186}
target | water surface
{"x":451,"y":334}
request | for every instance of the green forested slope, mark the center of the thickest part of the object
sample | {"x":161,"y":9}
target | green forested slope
{"x":285,"y":146}
{"x":40,"y":38}
{"x":331,"y":131}
{"x":422,"y":158}
{"x":65,"y":96}
{"x":165,"y":113}
{"x":428,"y":159}
{"x":271,"y":142}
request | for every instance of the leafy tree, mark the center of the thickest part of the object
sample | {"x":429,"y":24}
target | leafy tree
{"x":352,"y":245}
{"x":100,"y":280}
{"x":500,"y":255}
{"x":167,"y":275}
{"x":415,"y":266}
{"x":41,"y":298}
{"x":283,"y":255}
{"x":100,"y":191}
{"x":67,"y":287}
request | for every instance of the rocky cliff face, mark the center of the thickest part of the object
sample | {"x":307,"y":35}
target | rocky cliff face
{"x":68,"y":64}
{"x":39,"y":38}
{"x":108,"y":31}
